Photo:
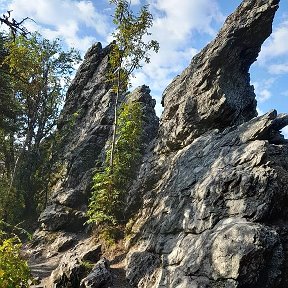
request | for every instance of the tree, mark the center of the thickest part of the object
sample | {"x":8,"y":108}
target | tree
{"x":39,"y":72}
{"x":14,"y":26}
{"x":14,"y":271}
{"x":106,"y":203}
{"x":10,"y":204}
{"x":128,"y":52}
{"x":39,"y":68}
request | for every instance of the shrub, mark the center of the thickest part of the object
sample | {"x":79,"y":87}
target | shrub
{"x":14,"y":271}
{"x":109,"y":188}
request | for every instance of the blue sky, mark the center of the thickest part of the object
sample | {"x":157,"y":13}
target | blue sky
{"x":182,"y":27}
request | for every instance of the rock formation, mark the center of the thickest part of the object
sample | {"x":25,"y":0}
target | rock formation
{"x":213,"y":189}
{"x":209,"y":202}
{"x":83,"y":132}
{"x":85,"y":127}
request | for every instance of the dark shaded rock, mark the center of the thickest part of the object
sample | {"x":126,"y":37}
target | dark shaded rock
{"x":93,"y":254}
{"x":99,"y":277}
{"x":56,"y":217}
{"x":84,"y":128}
{"x":150,"y":120}
{"x":82,"y":139}
{"x":63,"y":242}
{"x":142,"y":267}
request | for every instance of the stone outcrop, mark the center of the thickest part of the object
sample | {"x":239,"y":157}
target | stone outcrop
{"x":215,"y":91}
{"x":84,"y":129}
{"x":100,"y":276}
{"x":207,"y":220}
{"x":210,"y":200}
{"x":82,"y":135}
{"x":73,"y":264}
{"x":213,"y":189}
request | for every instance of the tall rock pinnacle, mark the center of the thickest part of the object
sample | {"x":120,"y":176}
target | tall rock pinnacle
{"x":84,"y":130}
{"x":215,"y":91}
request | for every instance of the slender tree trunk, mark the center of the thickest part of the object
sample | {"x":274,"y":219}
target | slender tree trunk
{"x":115,"y":124}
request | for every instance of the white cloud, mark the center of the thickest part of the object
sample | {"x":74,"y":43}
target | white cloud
{"x":285,"y":93}
{"x":135,"y":2}
{"x":276,"y":45}
{"x":264,"y":95}
{"x":64,"y":19}
{"x":175,"y":27}
{"x":285,"y":132}
{"x":278,"y":68}
{"x":262,"y":90}
{"x":260,"y":112}
{"x":179,"y":21}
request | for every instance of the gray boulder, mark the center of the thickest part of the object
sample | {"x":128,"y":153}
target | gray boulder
{"x":73,"y":264}
{"x":99,"y":277}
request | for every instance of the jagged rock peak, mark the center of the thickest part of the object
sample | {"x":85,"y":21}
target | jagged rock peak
{"x":215,"y":91}
{"x":84,"y":128}
{"x":83,"y":134}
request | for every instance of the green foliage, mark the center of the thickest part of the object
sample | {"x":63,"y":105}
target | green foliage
{"x":8,"y":105}
{"x":34,"y":74}
{"x":14,"y":271}
{"x":40,"y":72}
{"x":11,"y":204}
{"x":109,"y":189}
{"x":127,"y":53}
{"x":129,"y":49}
{"x":87,"y":265}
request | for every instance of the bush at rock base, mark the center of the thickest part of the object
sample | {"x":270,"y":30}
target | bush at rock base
{"x":14,"y":271}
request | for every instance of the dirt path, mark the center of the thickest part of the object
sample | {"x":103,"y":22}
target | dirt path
{"x":117,"y":266}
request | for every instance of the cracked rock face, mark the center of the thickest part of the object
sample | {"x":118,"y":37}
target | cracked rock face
{"x":214,"y":188}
